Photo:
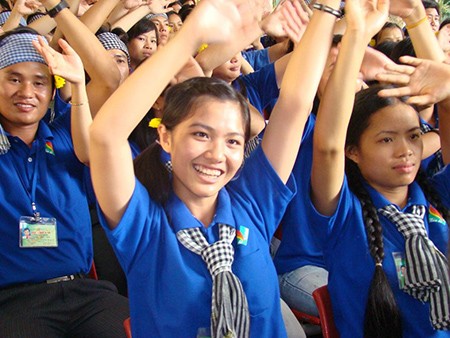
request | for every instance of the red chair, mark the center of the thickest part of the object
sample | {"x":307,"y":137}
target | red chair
{"x":323,"y":302}
{"x":127,"y":327}
{"x":325,"y":319}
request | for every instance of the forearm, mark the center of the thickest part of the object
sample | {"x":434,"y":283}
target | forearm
{"x":13,"y":20}
{"x":80,"y":121}
{"x":98,"y":13}
{"x":444,"y":129}
{"x":422,"y":36}
{"x":127,"y":21}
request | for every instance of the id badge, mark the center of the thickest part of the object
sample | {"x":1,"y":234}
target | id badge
{"x":37,"y":232}
{"x":400,"y":267}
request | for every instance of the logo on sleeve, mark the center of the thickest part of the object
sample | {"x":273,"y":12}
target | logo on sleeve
{"x":435,"y":216}
{"x":242,"y":235}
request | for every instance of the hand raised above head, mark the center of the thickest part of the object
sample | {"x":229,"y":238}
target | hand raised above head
{"x":426,"y":82}
{"x":67,"y":64}
{"x":366,"y":15}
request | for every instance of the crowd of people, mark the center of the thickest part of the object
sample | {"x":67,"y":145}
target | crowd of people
{"x":216,"y":162}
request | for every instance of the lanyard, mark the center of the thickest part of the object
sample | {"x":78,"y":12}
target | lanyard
{"x":31,"y":194}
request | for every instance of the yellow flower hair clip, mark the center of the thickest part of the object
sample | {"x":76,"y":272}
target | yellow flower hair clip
{"x":59,"y":82}
{"x":202,"y":47}
{"x":154,"y":122}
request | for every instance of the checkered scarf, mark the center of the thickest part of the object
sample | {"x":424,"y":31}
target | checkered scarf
{"x":112,"y":41}
{"x":5,"y":15}
{"x":229,"y":308}
{"x":14,"y":49}
{"x":427,"y":274}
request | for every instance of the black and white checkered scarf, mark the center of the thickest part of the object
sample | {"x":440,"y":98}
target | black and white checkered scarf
{"x":427,"y":274}
{"x":229,"y":308}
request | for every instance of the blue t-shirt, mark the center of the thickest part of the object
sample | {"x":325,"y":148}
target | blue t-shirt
{"x":60,"y":193}
{"x":257,"y":58}
{"x":261,"y":87}
{"x":299,"y":245}
{"x":351,"y":266}
{"x":170,"y":287}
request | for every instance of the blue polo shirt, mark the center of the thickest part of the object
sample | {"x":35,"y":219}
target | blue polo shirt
{"x":299,"y":245}
{"x":170,"y":287}
{"x":351,"y":266}
{"x":60,"y":193}
{"x":261,"y":87}
{"x":257,"y":58}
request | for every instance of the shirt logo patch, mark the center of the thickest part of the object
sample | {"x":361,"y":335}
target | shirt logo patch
{"x":435,"y":216}
{"x":49,"y":148}
{"x":242,"y":235}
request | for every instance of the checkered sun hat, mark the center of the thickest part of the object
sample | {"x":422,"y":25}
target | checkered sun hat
{"x":18,"y":48}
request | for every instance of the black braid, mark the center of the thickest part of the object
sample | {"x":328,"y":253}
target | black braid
{"x":382,"y":317}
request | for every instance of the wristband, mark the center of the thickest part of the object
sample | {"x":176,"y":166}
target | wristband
{"x":58,"y":8}
{"x":417,"y":23}
{"x":321,"y":7}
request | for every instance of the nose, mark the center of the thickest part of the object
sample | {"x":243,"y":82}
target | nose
{"x":216,"y":151}
{"x":404,"y":148}
{"x":26,"y":89}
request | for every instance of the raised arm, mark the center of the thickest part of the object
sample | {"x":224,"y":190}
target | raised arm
{"x":298,"y":88}
{"x":422,"y":36}
{"x":69,"y":66}
{"x":364,"y":19}
{"x":111,"y":161}
{"x":103,"y":71}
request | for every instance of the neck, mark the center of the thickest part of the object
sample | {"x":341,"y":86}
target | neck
{"x":204,"y":209}
{"x":26,"y":134}
{"x":398,"y":196}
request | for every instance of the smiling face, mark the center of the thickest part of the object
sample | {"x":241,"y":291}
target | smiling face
{"x":433,"y":18}
{"x":142,"y":47}
{"x":25,"y":93}
{"x":207,"y":149}
{"x":390,"y":149}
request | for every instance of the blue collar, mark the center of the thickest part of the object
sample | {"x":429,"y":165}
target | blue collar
{"x":180,"y":216}
{"x":415,"y":196}
{"x":43,"y":132}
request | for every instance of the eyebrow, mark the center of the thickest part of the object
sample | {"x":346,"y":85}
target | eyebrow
{"x":16,"y":73}
{"x":204,"y":126}
{"x":395,"y":132}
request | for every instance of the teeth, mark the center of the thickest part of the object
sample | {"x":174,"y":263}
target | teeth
{"x":208,"y":172}
{"x":25,"y":105}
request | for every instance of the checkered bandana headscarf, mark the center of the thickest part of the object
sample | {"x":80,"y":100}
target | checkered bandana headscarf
{"x":427,"y":275}
{"x":5,"y":15}
{"x":112,"y":41}
{"x":16,"y":48}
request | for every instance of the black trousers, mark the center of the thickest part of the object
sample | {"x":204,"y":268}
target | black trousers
{"x":78,"y":308}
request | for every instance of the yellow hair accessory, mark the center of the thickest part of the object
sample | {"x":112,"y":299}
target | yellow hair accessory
{"x":154,"y":122}
{"x":202,"y":47}
{"x":59,"y":82}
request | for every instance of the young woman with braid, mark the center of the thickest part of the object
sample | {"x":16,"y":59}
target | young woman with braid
{"x":371,"y":212}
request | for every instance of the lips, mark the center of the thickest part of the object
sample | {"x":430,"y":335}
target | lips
{"x":213,"y":173}
{"x":22,"y":106}
{"x":405,"y":167}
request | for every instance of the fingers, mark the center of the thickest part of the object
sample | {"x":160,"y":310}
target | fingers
{"x":398,"y":79}
{"x":395,"y":92}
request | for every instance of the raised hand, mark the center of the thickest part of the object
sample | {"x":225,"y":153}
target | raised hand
{"x":426,"y":82}
{"x":159,"y":6}
{"x":404,"y":8}
{"x":296,"y":18}
{"x":67,"y":64}
{"x":27,"y":7}
{"x":366,"y":15}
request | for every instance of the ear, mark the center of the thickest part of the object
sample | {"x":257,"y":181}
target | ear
{"x":165,"y":139}
{"x":352,"y":153}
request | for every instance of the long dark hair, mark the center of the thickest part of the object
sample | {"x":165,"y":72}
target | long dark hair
{"x":382,"y":317}
{"x":179,"y":103}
